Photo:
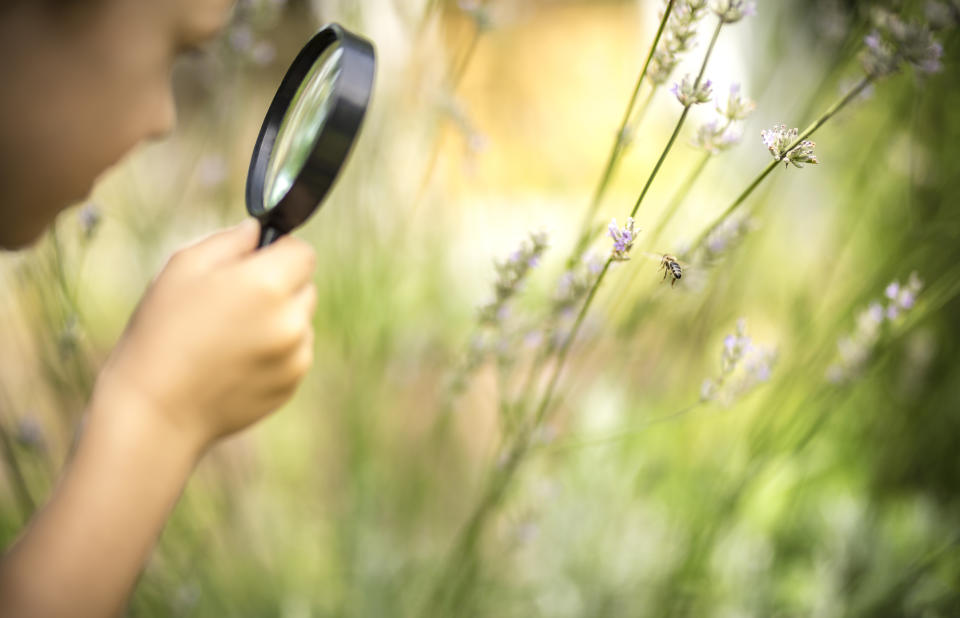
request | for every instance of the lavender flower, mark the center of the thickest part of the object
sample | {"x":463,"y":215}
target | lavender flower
{"x":855,"y":349}
{"x":574,"y":283}
{"x":743,"y":366}
{"x":689,"y":93}
{"x":732,"y":11}
{"x":263,"y":53}
{"x":623,"y":239}
{"x":895,"y":42}
{"x":714,"y":137}
{"x":738,"y":107}
{"x":511,"y":274}
{"x":212,"y":171}
{"x":30,"y":434}
{"x":478,"y":13}
{"x":677,"y":39}
{"x":89,"y":219}
{"x":778,"y":141}
{"x":942,"y":15}
{"x":572,"y":287}
{"x":728,"y":235}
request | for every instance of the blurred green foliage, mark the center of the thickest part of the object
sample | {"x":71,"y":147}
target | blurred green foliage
{"x":800,"y":498}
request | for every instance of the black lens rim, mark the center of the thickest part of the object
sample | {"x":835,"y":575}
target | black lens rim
{"x":348,"y":106}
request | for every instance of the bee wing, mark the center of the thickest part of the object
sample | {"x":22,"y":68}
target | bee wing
{"x":651,"y":256}
{"x":694,"y":279}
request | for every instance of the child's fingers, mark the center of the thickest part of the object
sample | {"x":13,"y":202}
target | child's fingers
{"x":223,"y":245}
{"x":307,"y":299}
{"x":288,"y":264}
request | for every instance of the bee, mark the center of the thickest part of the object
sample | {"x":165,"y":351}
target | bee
{"x":671,"y":268}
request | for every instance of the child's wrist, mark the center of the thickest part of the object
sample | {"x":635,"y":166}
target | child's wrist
{"x":134,"y":416}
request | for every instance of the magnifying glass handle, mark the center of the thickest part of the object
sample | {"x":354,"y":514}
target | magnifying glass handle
{"x":268,"y":235}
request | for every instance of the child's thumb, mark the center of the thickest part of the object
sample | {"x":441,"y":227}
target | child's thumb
{"x":226,"y":244}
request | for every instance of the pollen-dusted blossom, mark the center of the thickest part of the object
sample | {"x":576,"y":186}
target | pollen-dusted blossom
{"x":689,"y":93}
{"x":778,"y":141}
{"x":855,"y":349}
{"x":738,"y":107}
{"x":623,"y":239}
{"x":511,"y":274}
{"x":732,"y":11}
{"x":677,"y":39}
{"x":743,"y":365}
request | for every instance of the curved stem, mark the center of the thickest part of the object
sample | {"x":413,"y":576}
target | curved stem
{"x":678,"y":198}
{"x":564,"y":350}
{"x":618,"y":144}
{"x":497,"y":487}
{"x":810,"y":130}
{"x":453,"y":79}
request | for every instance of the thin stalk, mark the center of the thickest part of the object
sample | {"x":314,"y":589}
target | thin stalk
{"x":21,"y":488}
{"x":618,"y":143}
{"x":453,"y":80}
{"x":678,"y":198}
{"x":456,"y":76}
{"x":501,"y":481}
{"x":819,"y":122}
{"x":586,"y":235}
{"x":676,"y":129}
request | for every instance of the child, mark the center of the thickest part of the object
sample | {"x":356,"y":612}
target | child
{"x":221,"y":338}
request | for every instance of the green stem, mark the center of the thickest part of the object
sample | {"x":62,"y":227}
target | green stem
{"x":819,"y":122}
{"x":458,"y":578}
{"x":678,"y":198}
{"x":21,"y":489}
{"x":618,"y":143}
{"x":453,"y":80}
{"x":500,"y":483}
{"x":681,"y":194}
{"x":457,"y":75}
{"x":680,"y":121}
{"x":567,"y":344}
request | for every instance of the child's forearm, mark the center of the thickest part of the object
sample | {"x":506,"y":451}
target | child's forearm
{"x":82,"y":553}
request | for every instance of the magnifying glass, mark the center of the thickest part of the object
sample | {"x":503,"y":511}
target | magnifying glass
{"x":310,"y":127}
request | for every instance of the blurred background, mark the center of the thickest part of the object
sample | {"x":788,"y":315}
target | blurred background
{"x":683,"y":470}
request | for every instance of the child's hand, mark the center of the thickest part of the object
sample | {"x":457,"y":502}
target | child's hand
{"x":222,"y":337}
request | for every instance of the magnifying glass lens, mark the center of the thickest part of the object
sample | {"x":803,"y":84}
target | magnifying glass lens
{"x":302,"y":123}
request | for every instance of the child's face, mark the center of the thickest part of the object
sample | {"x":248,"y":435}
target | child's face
{"x":81,"y":85}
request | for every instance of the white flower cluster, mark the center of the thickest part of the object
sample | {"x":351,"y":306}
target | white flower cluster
{"x":779,"y":140}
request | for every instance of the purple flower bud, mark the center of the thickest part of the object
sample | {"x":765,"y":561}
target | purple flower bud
{"x":892,"y":290}
{"x":729,"y":343}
